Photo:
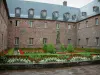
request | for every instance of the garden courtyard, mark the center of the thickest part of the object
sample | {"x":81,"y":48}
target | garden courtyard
{"x":48,"y":54}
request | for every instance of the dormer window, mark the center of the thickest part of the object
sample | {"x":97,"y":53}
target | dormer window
{"x":43,"y":14}
{"x":66,"y":16}
{"x":98,"y":0}
{"x":84,"y":14}
{"x":73,"y":17}
{"x":30,"y":13}
{"x":95,"y":9}
{"x":17,"y":12}
{"x":55,"y":15}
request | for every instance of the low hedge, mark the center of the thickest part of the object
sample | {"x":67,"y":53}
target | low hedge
{"x":30,"y":48}
{"x":89,"y":49}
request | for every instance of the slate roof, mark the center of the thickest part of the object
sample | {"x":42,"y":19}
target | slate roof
{"x":89,"y":9}
{"x":37,"y":6}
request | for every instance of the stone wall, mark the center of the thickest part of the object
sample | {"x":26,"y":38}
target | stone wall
{"x":39,"y":31}
{"x":89,"y":30}
{"x":3,"y":26}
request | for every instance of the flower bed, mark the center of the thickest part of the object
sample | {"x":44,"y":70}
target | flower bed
{"x":47,"y":58}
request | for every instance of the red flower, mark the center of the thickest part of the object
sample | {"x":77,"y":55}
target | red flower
{"x":21,"y":52}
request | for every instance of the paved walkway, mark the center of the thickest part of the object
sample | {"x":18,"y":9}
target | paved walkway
{"x":80,"y":70}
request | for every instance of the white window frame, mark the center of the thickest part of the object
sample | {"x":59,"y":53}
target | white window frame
{"x":96,"y":21}
{"x":69,"y":26}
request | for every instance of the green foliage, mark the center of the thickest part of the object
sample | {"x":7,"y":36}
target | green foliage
{"x":30,"y":48}
{"x":62,"y":48}
{"x":45,"y":47}
{"x":3,"y":59}
{"x":10,"y":52}
{"x":51,"y":48}
{"x":70,"y":48}
{"x":87,"y":49}
{"x":86,"y":54}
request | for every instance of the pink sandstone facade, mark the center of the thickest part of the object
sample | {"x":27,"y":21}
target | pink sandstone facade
{"x":3,"y":26}
{"x":84,"y":33}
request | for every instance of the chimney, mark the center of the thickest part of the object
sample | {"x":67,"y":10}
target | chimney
{"x":65,"y":3}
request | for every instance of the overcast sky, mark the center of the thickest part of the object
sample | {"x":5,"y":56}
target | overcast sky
{"x":72,"y":3}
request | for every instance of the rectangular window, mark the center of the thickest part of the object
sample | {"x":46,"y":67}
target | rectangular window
{"x":78,"y":41}
{"x":86,"y":23}
{"x":16,"y":40}
{"x":31,"y":23}
{"x":79,"y":26}
{"x":17,"y":11}
{"x":45,"y":25}
{"x":2,"y":39}
{"x":57,"y":26}
{"x":84,"y":14}
{"x":30,"y":41}
{"x":96,"y":21}
{"x":69,"y":26}
{"x":73,"y":26}
{"x":69,"y":41}
{"x":97,"y":41}
{"x":87,"y":41}
{"x":95,"y":9}
{"x":10,"y":22}
{"x":17,"y":23}
{"x":44,"y":40}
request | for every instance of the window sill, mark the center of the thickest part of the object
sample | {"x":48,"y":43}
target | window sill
{"x":30,"y":45}
{"x":16,"y":44}
{"x":97,"y":24}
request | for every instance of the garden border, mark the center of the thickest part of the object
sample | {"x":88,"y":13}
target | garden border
{"x":47,"y":65}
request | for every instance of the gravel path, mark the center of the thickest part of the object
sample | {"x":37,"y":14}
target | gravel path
{"x":80,"y":70}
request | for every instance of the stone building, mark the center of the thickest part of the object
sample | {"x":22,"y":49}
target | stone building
{"x":27,"y":24}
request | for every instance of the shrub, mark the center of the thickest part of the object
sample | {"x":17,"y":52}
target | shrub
{"x":70,"y":48}
{"x":62,"y":48}
{"x":51,"y":48}
{"x":10,"y":52}
{"x":45,"y":47}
